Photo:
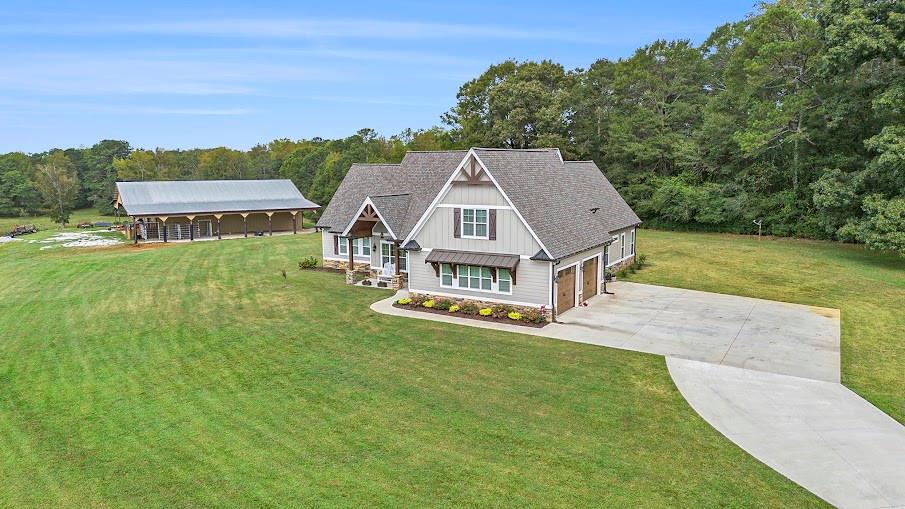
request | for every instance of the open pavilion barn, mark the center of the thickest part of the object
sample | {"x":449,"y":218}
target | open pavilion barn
{"x":163,"y":211}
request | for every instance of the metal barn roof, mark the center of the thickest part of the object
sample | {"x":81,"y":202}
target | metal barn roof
{"x":209,"y":196}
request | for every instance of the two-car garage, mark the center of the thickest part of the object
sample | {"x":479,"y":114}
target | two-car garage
{"x":577,"y":283}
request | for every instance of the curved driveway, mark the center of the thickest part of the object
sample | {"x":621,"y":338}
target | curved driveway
{"x":763,"y":373}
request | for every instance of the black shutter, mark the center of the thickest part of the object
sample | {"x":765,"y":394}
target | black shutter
{"x":457,"y":223}
{"x":492,"y":226}
{"x":336,"y":244}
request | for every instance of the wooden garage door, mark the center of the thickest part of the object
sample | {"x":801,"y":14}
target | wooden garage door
{"x":589,"y":278}
{"x":565,"y":290}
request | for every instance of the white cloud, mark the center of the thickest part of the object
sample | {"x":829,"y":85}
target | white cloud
{"x":91,"y":74}
{"x":303,"y":29}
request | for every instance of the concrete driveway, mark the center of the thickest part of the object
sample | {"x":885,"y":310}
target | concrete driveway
{"x":765,"y":335}
{"x":765,"y":374}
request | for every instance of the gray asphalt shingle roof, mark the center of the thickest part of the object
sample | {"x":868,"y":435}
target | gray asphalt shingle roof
{"x":209,"y":196}
{"x":393,"y":209}
{"x":420,"y":175}
{"x":556,"y":198}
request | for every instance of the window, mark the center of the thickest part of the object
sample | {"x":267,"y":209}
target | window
{"x":446,"y":276}
{"x":471,"y":277}
{"x":474,"y":223}
{"x":622,"y":247}
{"x":387,"y":256}
{"x":342,"y":245}
{"x":362,"y":246}
{"x":504,"y":281}
{"x":632,"y":250}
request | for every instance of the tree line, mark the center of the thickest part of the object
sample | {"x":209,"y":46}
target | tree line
{"x":792,"y":116}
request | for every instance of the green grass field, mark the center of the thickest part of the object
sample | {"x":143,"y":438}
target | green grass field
{"x":195,"y":375}
{"x":867,"y":286}
{"x":44,"y":222}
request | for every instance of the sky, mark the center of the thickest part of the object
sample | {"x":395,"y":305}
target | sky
{"x":205,"y":74}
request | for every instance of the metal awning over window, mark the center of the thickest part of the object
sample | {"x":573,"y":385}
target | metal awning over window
{"x":499,"y":261}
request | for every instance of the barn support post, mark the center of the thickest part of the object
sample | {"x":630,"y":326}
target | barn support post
{"x":134,"y":232}
{"x":219,"y":232}
{"x":270,"y":223}
{"x":245,"y":223}
{"x":163,"y":219}
{"x":294,"y":224}
{"x":191,"y":228}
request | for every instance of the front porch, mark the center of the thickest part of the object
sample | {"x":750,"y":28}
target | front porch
{"x":399,"y":283}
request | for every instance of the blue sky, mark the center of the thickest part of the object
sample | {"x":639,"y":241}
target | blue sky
{"x":182,"y":74}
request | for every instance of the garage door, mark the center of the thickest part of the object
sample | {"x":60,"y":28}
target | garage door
{"x":565,"y":290}
{"x":589,"y":278}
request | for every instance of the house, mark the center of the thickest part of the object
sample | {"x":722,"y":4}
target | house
{"x":196,"y":209}
{"x":520,"y":227}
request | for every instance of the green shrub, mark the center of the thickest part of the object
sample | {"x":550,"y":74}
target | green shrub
{"x":533,"y":316}
{"x":308,"y":262}
{"x":470,"y":308}
{"x":443,"y":304}
{"x":428,"y":303}
{"x":514,"y":315}
{"x":485,"y":312}
{"x":454,"y":308}
{"x":641,"y":260}
{"x":404,"y":301}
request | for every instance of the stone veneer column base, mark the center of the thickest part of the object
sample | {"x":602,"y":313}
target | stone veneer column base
{"x":398,"y":282}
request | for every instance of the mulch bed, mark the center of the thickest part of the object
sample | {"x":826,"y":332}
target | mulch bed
{"x":473,"y":317}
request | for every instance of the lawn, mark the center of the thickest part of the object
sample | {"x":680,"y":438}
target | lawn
{"x":196,"y":375}
{"x":45,"y":223}
{"x":867,"y":286}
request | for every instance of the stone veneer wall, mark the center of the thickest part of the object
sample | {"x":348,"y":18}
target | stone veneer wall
{"x":360,"y":267}
{"x":624,"y":263}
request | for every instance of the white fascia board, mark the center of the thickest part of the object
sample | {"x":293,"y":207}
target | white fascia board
{"x":471,"y":153}
{"x":360,"y":210}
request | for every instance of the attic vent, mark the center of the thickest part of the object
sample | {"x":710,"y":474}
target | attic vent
{"x":594,"y":210}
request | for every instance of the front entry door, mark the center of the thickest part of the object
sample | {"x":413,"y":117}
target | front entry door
{"x":565,"y":290}
{"x":589,"y":278}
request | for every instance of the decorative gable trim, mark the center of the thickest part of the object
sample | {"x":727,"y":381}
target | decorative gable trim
{"x":446,"y":187}
{"x":365,"y":204}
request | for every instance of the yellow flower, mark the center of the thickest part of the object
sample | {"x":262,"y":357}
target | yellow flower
{"x":485,"y":312}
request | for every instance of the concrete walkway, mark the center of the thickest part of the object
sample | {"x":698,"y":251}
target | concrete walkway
{"x":763,"y":373}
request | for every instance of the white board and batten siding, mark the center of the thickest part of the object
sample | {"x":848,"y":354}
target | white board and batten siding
{"x":532,"y":285}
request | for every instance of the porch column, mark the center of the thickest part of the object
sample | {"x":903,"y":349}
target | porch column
{"x":294,"y":227}
{"x":134,"y":232}
{"x":398,"y":268}
{"x":351,"y":255}
{"x":245,"y":223}
{"x":163,"y":219}
{"x":219,"y":233}
{"x":270,"y":223}
{"x":191,"y":227}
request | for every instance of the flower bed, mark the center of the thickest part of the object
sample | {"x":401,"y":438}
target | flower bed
{"x":499,"y":313}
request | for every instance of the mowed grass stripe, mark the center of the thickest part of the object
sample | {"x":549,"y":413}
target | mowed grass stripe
{"x":196,"y":375}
